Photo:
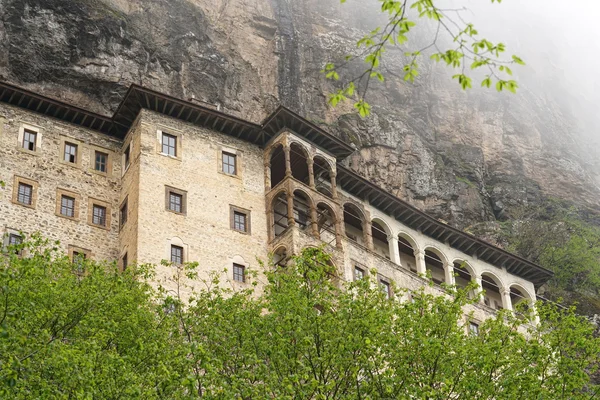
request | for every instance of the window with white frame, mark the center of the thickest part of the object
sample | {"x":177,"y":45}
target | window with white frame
{"x":169,"y":144}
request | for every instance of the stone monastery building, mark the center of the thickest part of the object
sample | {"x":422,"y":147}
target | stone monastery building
{"x":167,"y":179}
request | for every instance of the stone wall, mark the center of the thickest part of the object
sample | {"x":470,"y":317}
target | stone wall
{"x":49,"y":174}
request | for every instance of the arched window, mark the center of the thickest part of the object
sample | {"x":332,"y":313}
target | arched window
{"x":280,"y":256}
{"x":280,"y":213}
{"x":302,"y":209}
{"x":407,"y":247}
{"x":299,"y":162}
{"x":435,"y":265}
{"x":380,"y":233}
{"x":277,"y":165}
{"x":322,"y":174}
{"x":353,"y":223}
{"x":326,"y":221}
{"x":464,"y":273}
{"x":492,"y":286}
{"x":520,"y":299}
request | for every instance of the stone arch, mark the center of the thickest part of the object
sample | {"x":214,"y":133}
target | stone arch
{"x":327,"y":222}
{"x":322,"y":175}
{"x":280,"y":256}
{"x":493,"y":287}
{"x":519,"y":294}
{"x":277,"y":164}
{"x":436,"y":263}
{"x":407,"y":248}
{"x":299,"y":156}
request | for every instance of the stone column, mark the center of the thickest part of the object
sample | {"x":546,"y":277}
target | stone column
{"x":334,"y":193}
{"x":313,"y":221}
{"x":368,"y":234}
{"x":506,"y":301}
{"x":288,"y":165}
{"x":311,"y":172}
{"x":420,"y":260}
{"x":290,"y":209}
{"x":339,"y":232}
{"x":449,"y":274}
{"x":267,"y":177}
{"x":479,"y":283}
{"x":394,"y":250}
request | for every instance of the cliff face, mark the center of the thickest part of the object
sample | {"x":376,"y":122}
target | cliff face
{"x":465,"y":157}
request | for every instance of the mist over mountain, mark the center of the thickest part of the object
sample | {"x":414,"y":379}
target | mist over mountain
{"x":466,"y":157}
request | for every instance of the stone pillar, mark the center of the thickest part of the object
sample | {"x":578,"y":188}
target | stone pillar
{"x":394,"y":250}
{"x":506,"y":301}
{"x":420,"y":260}
{"x":267,"y":177}
{"x":368,"y":234}
{"x":449,"y":274}
{"x":479,"y":283}
{"x":339,"y":232}
{"x":290,"y":209}
{"x":270,"y":222}
{"x":311,"y":172}
{"x":334,"y":193}
{"x":288,"y":162}
{"x":314,"y":221}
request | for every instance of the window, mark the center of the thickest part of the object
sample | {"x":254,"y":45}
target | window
{"x":239,"y":273}
{"x":70,"y":152}
{"x":13,"y":239}
{"x":176,"y":254}
{"x":229,"y":163}
{"x":98,"y":215}
{"x":123,"y":214}
{"x":78,"y":258}
{"x":29,"y":138}
{"x":127,"y":155}
{"x":25,"y":194}
{"x":169,"y":144}
{"x":101,"y":161}
{"x":67,"y":206}
{"x":384,"y":285}
{"x":239,"y":219}
{"x":175,"y":202}
{"x":473,"y":328}
{"x":124,"y":262}
{"x":359,"y":273}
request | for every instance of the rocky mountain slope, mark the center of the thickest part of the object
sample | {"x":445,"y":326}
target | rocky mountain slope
{"x":465,"y":157}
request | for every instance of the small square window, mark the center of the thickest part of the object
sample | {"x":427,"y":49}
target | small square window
{"x":98,"y":215}
{"x":239,"y":273}
{"x":385,"y":288}
{"x":175,"y":200}
{"x":176,"y":254}
{"x":101,"y":161}
{"x":29,"y":138}
{"x":359,"y":273}
{"x":473,"y":328}
{"x":70,"y":152}
{"x":25,"y":194}
{"x":169,"y":144}
{"x":13,"y":239}
{"x":67,"y":206}
{"x":79,"y":260}
{"x":123,"y":214}
{"x":229,"y":163}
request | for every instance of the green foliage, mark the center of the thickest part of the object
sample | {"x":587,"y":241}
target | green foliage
{"x":467,"y":49}
{"x":307,"y":335}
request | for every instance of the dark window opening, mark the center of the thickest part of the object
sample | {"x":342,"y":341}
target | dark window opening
{"x":99,"y":215}
{"x":101,"y":161}
{"x":24,"y":194}
{"x":29,"y":138}
{"x":169,"y":144}
{"x":67,"y":206}
{"x":127,"y":156}
{"x":123,"y":214}
{"x":385,"y":288}
{"x":239,"y":273}
{"x":175,"y":202}
{"x":239,"y":221}
{"x":229,"y":163}
{"x":277,"y":166}
{"x":353,"y":223}
{"x":124,"y":262}
{"x":473,"y":329}
{"x":70,"y":152}
{"x":359,"y":273}
{"x":176,"y":254}
{"x":299,"y":163}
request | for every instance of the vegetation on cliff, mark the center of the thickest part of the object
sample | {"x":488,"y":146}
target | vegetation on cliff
{"x":85,"y":330}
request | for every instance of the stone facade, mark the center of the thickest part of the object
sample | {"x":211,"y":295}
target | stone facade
{"x":171,"y":189}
